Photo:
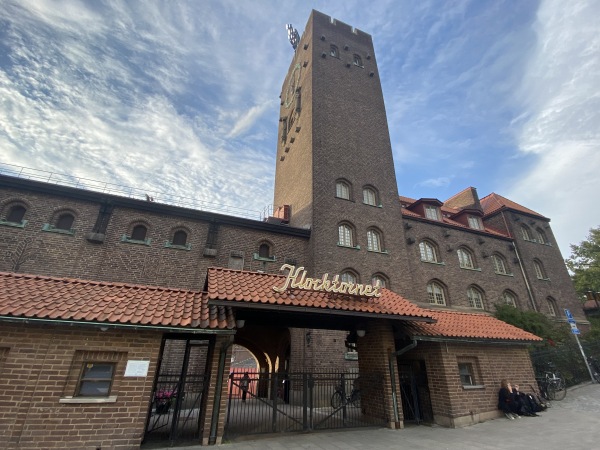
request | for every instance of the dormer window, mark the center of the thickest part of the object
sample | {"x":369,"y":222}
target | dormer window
{"x":432,"y":212}
{"x":475,"y":223}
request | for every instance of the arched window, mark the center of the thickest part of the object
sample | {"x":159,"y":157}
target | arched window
{"x":179,"y":238}
{"x":345,"y":235}
{"x":374,"y":241}
{"x":381,"y":279}
{"x":357,"y":60}
{"x":499,"y":264}
{"x":370,"y":196}
{"x":16,"y":214}
{"x":541,"y":236}
{"x":333,"y":51}
{"x":475,"y":297}
{"x":342,"y":189}
{"x":348,"y":276}
{"x":540,"y":273}
{"x":435,"y":292}
{"x":552,"y":308}
{"x":65,"y":221}
{"x":508,"y":298}
{"x":428,"y":251}
{"x":465,"y":258}
{"x":139,"y":233}
{"x":526,"y":233}
{"x":264,"y":250}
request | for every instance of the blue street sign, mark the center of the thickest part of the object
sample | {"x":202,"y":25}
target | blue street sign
{"x":568,"y":314}
{"x":571,"y":320}
{"x":575,"y":331}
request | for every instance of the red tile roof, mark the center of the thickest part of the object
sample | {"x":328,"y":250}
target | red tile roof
{"x":240,"y":287}
{"x":493,"y":203}
{"x":456,"y":324}
{"x":51,"y":298}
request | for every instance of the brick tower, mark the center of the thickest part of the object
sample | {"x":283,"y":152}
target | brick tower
{"x":334,"y":158}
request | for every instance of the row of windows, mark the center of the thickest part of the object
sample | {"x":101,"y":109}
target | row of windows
{"x":429,"y":253}
{"x":536,"y":235}
{"x":351,"y":276}
{"x":335,"y":53}
{"x":436,"y":293}
{"x":346,"y":238}
{"x":343,"y":189}
{"x":433,"y":213}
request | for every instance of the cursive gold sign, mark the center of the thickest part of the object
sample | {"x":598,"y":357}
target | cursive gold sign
{"x":297,"y":279}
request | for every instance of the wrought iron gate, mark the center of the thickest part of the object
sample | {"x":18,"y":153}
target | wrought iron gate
{"x":416,"y":402}
{"x":178,"y":395}
{"x":281,"y":402}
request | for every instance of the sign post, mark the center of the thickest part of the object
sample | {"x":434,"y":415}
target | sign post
{"x":575,"y":332}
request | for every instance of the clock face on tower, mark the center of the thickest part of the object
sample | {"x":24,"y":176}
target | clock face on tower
{"x":290,"y":92}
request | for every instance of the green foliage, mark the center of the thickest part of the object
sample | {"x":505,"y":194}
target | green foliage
{"x":594,"y":333}
{"x":584,"y":263}
{"x":534,"y":322}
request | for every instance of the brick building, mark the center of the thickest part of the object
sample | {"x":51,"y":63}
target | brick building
{"x":97,"y":285}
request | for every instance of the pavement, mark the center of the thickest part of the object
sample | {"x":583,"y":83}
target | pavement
{"x":573,"y":423}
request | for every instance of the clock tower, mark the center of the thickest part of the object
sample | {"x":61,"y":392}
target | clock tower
{"x":334,"y":158}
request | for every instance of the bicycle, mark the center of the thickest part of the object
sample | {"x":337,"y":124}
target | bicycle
{"x":552,"y":385}
{"x":339,"y":397}
{"x":595,"y":366}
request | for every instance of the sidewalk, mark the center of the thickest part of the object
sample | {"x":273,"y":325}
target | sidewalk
{"x":571,"y":424}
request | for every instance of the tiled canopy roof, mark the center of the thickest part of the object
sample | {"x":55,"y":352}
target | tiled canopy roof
{"x":240,"y":287}
{"x":68,"y":299}
{"x":494,"y":202}
{"x":460,"y":325}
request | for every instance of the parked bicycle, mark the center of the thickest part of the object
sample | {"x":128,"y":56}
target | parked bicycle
{"x":339,"y":397}
{"x":595,"y":366}
{"x":552,"y":384}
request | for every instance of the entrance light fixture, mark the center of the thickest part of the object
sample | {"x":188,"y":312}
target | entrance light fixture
{"x":239,"y":323}
{"x":361,"y":333}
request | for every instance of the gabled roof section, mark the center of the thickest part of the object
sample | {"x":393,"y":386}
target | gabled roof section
{"x":241,"y":288}
{"x":456,"y":325}
{"x":467,"y":199}
{"x":494,"y":203}
{"x":81,"y":301}
{"x":428,"y":201}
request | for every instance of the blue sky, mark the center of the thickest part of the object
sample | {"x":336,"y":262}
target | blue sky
{"x":180,"y":98}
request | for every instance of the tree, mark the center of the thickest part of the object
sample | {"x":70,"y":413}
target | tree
{"x":534,"y":322}
{"x":584,"y":263}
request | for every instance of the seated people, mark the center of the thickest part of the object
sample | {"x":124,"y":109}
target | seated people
{"x":512,"y":402}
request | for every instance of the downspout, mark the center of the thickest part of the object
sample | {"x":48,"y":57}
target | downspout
{"x":392,"y":360}
{"x":219,"y":388}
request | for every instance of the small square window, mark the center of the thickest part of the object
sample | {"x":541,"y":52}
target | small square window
{"x":431,"y":212}
{"x":96,"y":379}
{"x":467,"y":376}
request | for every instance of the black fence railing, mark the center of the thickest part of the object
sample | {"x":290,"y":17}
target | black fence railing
{"x":566,"y":359}
{"x":280,"y":402}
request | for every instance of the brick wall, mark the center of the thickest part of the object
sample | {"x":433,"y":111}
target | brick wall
{"x":40,"y":368}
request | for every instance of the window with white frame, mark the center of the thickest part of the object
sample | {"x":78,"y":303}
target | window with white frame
{"x":428,"y":251}
{"x":465,"y":258}
{"x":541,"y":236}
{"x":345,"y":235}
{"x":475,"y":222}
{"x":540,"y":273}
{"x":435,"y":292}
{"x":499,"y":264}
{"x":342,"y":190}
{"x":379,"y":279}
{"x":508,"y":298}
{"x":526,"y":233}
{"x":374,"y":241}
{"x":348,"y":277}
{"x":551,"y":306}
{"x":432,"y":212}
{"x":475,"y":297}
{"x":369,"y":196}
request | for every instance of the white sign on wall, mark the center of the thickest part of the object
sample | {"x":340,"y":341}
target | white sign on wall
{"x":137,"y":368}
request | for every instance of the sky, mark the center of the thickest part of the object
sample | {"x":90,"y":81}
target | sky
{"x":180,"y":99}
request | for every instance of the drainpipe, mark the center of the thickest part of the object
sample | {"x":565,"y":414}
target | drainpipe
{"x":392,"y":360}
{"x":525,"y":277}
{"x":219,"y":388}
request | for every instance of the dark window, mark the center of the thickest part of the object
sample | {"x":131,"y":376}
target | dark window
{"x":139,"y":233}
{"x":16,"y":214}
{"x":96,"y":379}
{"x":180,"y":238}
{"x":65,"y":222}
{"x":264,"y":251}
{"x":213,"y":234}
{"x":466,"y":374}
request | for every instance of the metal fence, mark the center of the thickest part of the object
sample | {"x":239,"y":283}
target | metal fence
{"x":281,"y":402}
{"x":567,"y":359}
